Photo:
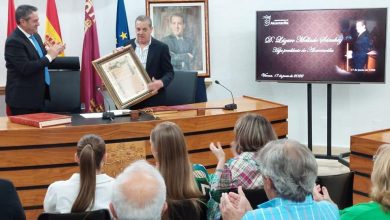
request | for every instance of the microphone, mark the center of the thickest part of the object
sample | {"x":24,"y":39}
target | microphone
{"x":231,"y":106}
{"x":107,"y":114}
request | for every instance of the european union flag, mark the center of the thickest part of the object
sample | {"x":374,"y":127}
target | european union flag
{"x":122,"y":29}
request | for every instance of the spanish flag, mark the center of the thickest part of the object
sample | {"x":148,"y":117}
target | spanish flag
{"x":11,"y":17}
{"x":10,"y":28}
{"x":53,"y":30}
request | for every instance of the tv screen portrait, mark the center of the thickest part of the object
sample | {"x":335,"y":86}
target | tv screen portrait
{"x":324,"y":46}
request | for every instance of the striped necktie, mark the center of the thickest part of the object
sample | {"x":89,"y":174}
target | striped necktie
{"x":40,"y":52}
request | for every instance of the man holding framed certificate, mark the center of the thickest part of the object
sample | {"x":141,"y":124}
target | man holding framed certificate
{"x":154,"y":56}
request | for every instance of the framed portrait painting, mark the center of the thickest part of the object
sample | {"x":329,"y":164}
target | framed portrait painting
{"x":183,"y":26}
{"x":124,"y":77}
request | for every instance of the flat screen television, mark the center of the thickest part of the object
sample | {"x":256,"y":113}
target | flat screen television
{"x":324,"y":46}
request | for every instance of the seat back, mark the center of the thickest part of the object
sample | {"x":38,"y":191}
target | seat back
{"x":185,"y":209}
{"x":65,"y":85}
{"x":182,"y":89}
{"x":255,"y":196}
{"x":339,"y":188}
{"x":101,"y":214}
{"x":10,"y":205}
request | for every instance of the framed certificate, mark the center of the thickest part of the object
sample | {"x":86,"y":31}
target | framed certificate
{"x":124,"y":77}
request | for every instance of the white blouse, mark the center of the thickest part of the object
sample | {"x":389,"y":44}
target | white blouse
{"x":61,"y":195}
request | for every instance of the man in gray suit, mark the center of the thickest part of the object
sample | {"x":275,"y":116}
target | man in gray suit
{"x":180,"y":47}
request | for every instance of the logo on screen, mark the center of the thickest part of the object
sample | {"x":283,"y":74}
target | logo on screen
{"x":268,"y":21}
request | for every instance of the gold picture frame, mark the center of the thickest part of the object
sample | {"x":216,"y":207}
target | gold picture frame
{"x":195,"y":54}
{"x":124,"y":77}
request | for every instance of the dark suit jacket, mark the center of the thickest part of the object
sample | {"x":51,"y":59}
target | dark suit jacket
{"x":361,"y":47}
{"x":25,"y":87}
{"x":158,"y":65}
{"x":10,"y":206}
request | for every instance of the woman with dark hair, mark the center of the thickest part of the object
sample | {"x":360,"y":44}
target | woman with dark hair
{"x":251,"y":133}
{"x":182,"y":179}
{"x":85,"y":191}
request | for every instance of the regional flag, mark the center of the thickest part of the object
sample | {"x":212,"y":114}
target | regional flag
{"x":90,"y":80}
{"x":122,"y":29}
{"x":53,"y":30}
{"x":10,"y":28}
{"x":11,"y":17}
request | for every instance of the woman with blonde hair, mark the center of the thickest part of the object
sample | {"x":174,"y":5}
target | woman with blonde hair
{"x":379,"y":207}
{"x":85,"y":191}
{"x":251,"y":133}
{"x":170,"y":152}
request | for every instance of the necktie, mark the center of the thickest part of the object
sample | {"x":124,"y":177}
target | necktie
{"x":40,"y":52}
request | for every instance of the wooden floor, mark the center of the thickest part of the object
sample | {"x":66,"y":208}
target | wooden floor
{"x":335,"y":150}
{"x":331,"y":167}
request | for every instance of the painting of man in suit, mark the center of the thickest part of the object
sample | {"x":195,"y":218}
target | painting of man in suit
{"x":181,"y":48}
{"x":183,"y":27}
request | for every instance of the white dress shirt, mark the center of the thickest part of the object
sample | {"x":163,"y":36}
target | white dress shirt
{"x":61,"y":195}
{"x":142,"y":53}
{"x":28,"y":37}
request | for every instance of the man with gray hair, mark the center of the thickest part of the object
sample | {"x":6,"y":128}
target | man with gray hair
{"x":155,"y":58}
{"x":289,"y":172}
{"x":139,"y":193}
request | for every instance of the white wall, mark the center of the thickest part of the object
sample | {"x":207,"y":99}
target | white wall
{"x":356,"y":108}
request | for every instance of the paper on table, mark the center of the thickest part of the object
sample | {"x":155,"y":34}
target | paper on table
{"x":99,"y":114}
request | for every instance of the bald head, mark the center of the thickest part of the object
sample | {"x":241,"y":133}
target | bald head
{"x":139,"y":192}
{"x":140,"y":189}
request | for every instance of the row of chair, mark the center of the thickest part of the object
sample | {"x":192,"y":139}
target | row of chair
{"x":339,"y":187}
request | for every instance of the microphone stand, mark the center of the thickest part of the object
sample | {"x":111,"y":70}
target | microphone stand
{"x":107,"y":114}
{"x":231,"y":106}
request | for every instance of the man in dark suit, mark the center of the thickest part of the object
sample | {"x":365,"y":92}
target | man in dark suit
{"x":10,"y":206}
{"x":27,"y":59}
{"x":361,"y":46}
{"x":154,"y":56}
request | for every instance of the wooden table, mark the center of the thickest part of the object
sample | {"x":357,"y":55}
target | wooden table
{"x":363,"y":147}
{"x":33,"y":158}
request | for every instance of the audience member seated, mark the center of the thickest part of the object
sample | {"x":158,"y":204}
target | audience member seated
{"x":379,"y":208}
{"x":289,"y":171}
{"x":169,"y":149}
{"x":10,"y":206}
{"x":252,"y":132}
{"x":85,"y":191}
{"x":139,"y":192}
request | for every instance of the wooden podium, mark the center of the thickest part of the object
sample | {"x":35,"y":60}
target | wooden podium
{"x":363,"y":147}
{"x":33,"y":158}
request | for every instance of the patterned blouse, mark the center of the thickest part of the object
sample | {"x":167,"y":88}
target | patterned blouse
{"x":238,"y":171}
